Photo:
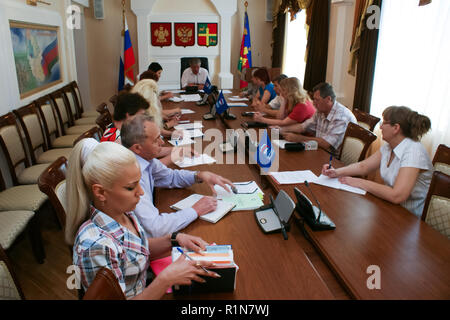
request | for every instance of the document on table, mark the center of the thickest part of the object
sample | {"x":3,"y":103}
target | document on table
{"x":196,"y":133}
{"x":294,"y":177}
{"x":334,"y":183}
{"x":237,"y":98}
{"x":222,"y":207}
{"x":189,"y":126}
{"x":195,"y":161}
{"x":249,"y":196}
{"x":176,"y":99}
{"x":226,"y":91}
{"x":237,"y":104}
{"x":187,"y":111}
{"x":184,"y":142}
{"x":191,"y":97}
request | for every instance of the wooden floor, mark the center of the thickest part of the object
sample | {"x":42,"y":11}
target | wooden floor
{"x":48,"y":281}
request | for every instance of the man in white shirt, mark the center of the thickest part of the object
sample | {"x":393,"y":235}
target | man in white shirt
{"x":194,"y":75}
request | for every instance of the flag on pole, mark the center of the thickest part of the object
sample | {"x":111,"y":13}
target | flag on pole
{"x":208,"y":86}
{"x":245,"y":60}
{"x":127,"y":61}
{"x":221,"y":105}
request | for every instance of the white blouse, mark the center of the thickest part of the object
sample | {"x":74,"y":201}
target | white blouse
{"x":408,"y":153}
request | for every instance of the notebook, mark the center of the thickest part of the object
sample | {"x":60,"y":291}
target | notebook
{"x":222,"y":207}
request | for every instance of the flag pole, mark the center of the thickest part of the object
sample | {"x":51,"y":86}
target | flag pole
{"x":123,"y":17}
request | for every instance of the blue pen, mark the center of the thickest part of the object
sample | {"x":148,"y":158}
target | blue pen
{"x":329,"y":164}
{"x":189,"y":258}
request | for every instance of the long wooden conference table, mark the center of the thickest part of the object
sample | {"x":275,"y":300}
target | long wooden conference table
{"x":413,"y":259}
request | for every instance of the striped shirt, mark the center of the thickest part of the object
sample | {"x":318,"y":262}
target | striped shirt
{"x":408,"y":153}
{"x":102,"y":242}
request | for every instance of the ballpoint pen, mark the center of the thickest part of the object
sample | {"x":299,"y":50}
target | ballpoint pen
{"x":189,"y":258}
{"x":329,"y":163}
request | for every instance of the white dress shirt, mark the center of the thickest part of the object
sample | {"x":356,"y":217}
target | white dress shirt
{"x":408,"y":153}
{"x":189,"y":77}
{"x":156,"y":174}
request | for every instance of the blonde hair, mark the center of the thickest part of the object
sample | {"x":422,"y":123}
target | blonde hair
{"x":295,"y":93}
{"x":412,"y":124}
{"x":103,"y":165}
{"x":149,"y":90}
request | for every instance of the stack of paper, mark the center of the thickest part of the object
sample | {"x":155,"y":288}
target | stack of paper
{"x":334,"y":183}
{"x":189,"y":126}
{"x":249,"y":195}
{"x":195,"y":161}
{"x":191,"y":97}
{"x":187,"y":111}
{"x":294,"y":177}
{"x":222,"y":207}
{"x":176,"y":99}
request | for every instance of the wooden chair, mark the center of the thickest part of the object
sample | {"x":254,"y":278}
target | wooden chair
{"x":104,"y":120}
{"x":47,"y":113}
{"x":113,"y":100}
{"x":441,"y":160}
{"x":274,"y":73}
{"x":34,"y":136}
{"x":104,"y":287}
{"x":10,"y":288}
{"x":20,"y":207}
{"x":74,"y":109}
{"x":357,"y":141}
{"x":84,"y":113}
{"x":67,"y":126}
{"x":365,"y":120}
{"x":95,"y":132}
{"x":436,"y":211}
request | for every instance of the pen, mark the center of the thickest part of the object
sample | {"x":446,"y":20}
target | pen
{"x":189,"y":258}
{"x":329,"y":164}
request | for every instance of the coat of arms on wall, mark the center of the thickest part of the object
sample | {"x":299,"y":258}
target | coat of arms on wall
{"x":207,"y":34}
{"x":184,"y":34}
{"x":161,"y":34}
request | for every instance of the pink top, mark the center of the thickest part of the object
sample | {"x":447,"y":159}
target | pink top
{"x":302,"y":111}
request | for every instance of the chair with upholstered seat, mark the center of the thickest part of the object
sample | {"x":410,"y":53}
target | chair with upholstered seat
{"x":9,"y":285}
{"x":104,"y":287}
{"x":365,"y":120}
{"x":73,"y":108}
{"x":21,"y":206}
{"x":65,"y":123}
{"x":357,"y":141}
{"x":436,"y":211}
{"x":441,"y":160}
{"x":81,"y":109}
{"x":95,"y":133}
{"x":40,"y":153}
{"x":104,"y":120}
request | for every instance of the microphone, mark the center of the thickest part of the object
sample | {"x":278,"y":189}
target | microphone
{"x":315,"y":199}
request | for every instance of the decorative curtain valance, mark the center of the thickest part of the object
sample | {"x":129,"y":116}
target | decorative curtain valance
{"x":292,"y":6}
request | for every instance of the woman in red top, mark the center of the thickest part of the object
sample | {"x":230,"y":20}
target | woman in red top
{"x":297,"y":106}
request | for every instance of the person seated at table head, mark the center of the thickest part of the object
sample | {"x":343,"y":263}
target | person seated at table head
{"x":329,"y":123}
{"x":195,"y":75}
{"x":142,"y":136}
{"x":266,"y":91}
{"x":127,"y":106}
{"x":404,"y":164}
{"x":154,"y":72}
{"x":296,"y":106}
{"x":102,"y":192}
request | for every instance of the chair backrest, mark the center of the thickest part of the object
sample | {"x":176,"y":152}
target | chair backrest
{"x":357,"y":141}
{"x":248,"y":73}
{"x":31,"y":125}
{"x":77,"y":92}
{"x":72,"y":101}
{"x":59,"y":101}
{"x":9,"y":285}
{"x":13,"y":146}
{"x":436,"y":211}
{"x":47,"y":113}
{"x":102,"y":107}
{"x":365,"y":120}
{"x":104,"y":120}
{"x":104,"y":287}
{"x":94,"y":132}
{"x":274,"y":73}
{"x":441,"y":160}
{"x":113,"y":100}
{"x":52,"y":182}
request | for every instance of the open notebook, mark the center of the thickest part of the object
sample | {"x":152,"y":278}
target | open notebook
{"x":222,"y":207}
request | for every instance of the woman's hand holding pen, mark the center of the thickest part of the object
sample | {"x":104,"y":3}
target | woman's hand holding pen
{"x":329,"y":171}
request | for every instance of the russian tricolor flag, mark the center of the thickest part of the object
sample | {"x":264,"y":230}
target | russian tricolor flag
{"x":49,"y":57}
{"x":127,"y":61}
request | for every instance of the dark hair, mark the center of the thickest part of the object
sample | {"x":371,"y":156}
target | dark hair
{"x":280,"y":78}
{"x":263,"y":75}
{"x":326,"y":90}
{"x":129,"y":103}
{"x":149,"y":74}
{"x":412,"y":124}
{"x":154,"y":66}
{"x":194,"y":61}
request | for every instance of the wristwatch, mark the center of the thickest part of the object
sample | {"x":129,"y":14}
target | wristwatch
{"x":197,"y":179}
{"x":173,"y":240}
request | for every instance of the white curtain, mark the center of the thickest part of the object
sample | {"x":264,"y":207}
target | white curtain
{"x":413,"y":64}
{"x":295,"y":46}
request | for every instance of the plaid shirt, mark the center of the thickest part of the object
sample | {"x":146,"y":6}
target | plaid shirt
{"x":102,"y":242}
{"x":332,"y":128}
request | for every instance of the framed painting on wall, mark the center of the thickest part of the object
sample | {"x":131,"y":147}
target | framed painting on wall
{"x":36,"y":56}
{"x":161,"y":34}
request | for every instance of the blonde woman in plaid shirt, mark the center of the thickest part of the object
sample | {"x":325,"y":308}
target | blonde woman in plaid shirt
{"x":102,"y":191}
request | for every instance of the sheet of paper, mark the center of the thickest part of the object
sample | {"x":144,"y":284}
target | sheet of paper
{"x":187,"y":111}
{"x":195,"y":161}
{"x":196,"y":133}
{"x":184,"y":142}
{"x":249,"y":196}
{"x":226,"y":91}
{"x":189,"y":126}
{"x":191,"y":97}
{"x":237,"y":104}
{"x":176,"y":99}
{"x":237,"y":99}
{"x":334,"y":183}
{"x":294,"y":177}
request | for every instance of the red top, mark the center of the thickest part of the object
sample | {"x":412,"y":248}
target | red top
{"x":111,"y":134}
{"x":302,"y":111}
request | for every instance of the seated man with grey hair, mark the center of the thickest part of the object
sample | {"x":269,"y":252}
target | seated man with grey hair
{"x":328,"y":124}
{"x":142,"y":136}
{"x":194,"y":75}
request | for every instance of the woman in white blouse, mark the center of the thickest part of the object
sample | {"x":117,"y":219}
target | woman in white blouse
{"x":404,"y":164}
